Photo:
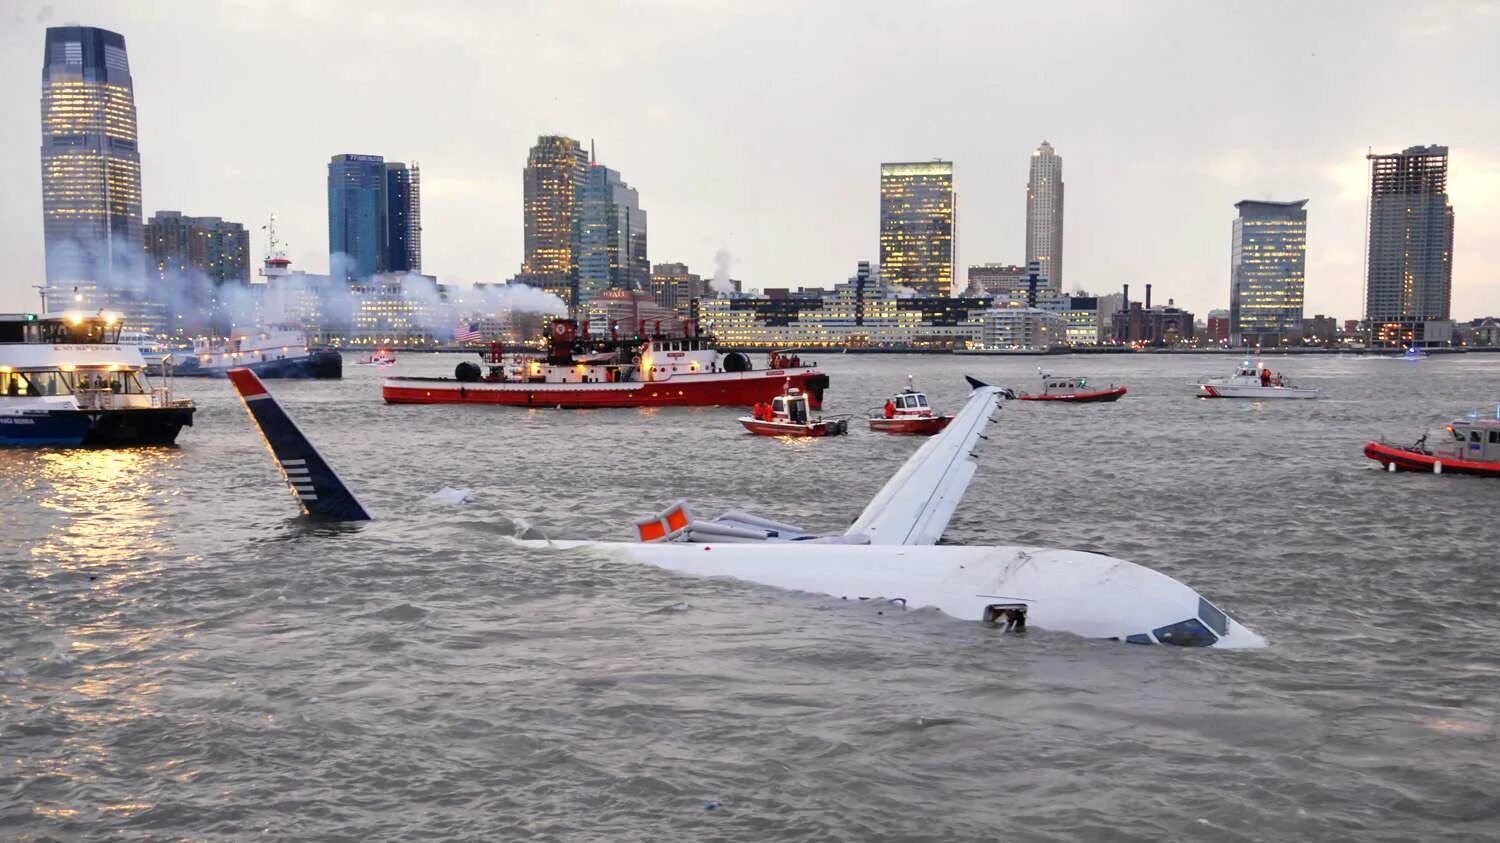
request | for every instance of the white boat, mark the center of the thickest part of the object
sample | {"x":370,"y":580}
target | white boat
{"x":1253,"y":380}
{"x":381,"y":357}
{"x":67,"y":380}
{"x":271,"y":353}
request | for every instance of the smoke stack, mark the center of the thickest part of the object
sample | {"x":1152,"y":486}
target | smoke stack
{"x":1126,"y":304}
{"x":1148,"y":296}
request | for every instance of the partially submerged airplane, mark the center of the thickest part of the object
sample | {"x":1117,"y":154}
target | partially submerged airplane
{"x":889,"y":553}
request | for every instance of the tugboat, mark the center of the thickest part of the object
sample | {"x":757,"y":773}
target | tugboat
{"x":273,"y":353}
{"x":644,"y":370}
{"x":787,"y":415}
{"x":1469,"y":446}
{"x":65,"y":379}
{"x":1253,"y":380}
{"x":1073,"y":390}
{"x":908,"y":413}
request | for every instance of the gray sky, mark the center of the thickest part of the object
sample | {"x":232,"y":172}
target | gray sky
{"x":760,"y":126}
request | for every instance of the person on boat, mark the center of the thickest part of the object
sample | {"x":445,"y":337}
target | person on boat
{"x":890,"y":409}
{"x":1265,"y":377}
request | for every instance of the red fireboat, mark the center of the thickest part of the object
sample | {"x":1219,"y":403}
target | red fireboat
{"x":787,"y":415}
{"x":1073,"y":391}
{"x":644,"y":370}
{"x":908,"y":413}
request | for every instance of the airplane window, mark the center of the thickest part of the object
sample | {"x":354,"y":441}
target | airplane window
{"x":1188,"y":633}
{"x":1210,"y":614}
{"x":1495,"y":437}
{"x":1139,"y":638}
{"x":1473,"y":436}
{"x":1458,"y":435}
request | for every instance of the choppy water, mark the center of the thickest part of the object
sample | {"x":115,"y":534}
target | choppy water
{"x":184,"y":658}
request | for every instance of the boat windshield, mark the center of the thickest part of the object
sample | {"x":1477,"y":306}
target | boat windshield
{"x":30,"y":384}
{"x":1188,"y":633}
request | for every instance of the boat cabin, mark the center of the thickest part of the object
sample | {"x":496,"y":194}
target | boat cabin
{"x":70,"y":327}
{"x":790,"y":407}
{"x":910,"y":403}
{"x":1476,"y":439}
{"x":1058,"y":385}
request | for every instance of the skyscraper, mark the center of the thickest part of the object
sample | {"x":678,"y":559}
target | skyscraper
{"x":552,"y":187}
{"x":203,"y":264}
{"x":91,"y":177}
{"x":1268,"y":254}
{"x":403,"y":194}
{"x":1409,"y":273}
{"x":1044,"y":214}
{"x":612,"y":236}
{"x":358,"y":216}
{"x":917,"y":226}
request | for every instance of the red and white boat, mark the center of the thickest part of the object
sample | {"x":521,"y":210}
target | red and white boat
{"x":788,"y":415}
{"x":1075,"y":390}
{"x":640,"y":371}
{"x":908,"y":413}
{"x":1467,"y":446}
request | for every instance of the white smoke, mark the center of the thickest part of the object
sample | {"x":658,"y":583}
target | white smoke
{"x":513,"y":297}
{"x":722,"y":262}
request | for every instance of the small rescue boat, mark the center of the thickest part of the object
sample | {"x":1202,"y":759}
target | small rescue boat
{"x":1074,"y":390}
{"x":1253,"y":380}
{"x":1467,"y":446}
{"x":787,"y":415}
{"x":908,"y":413}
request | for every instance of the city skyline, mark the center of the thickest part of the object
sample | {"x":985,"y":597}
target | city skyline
{"x":1149,"y":178}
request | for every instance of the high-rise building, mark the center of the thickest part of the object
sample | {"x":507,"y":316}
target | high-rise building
{"x":192,"y":260}
{"x":403,"y":203}
{"x":552,"y":187}
{"x":1267,"y":261}
{"x":612,"y":236}
{"x":1044,"y":214}
{"x":918,"y":228}
{"x":358,"y":216}
{"x":374,"y":216}
{"x":675,"y":288}
{"x":1409,"y":273}
{"x":91,"y":177}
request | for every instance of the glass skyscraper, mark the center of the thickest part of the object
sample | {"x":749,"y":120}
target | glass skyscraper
{"x":1268,"y":258}
{"x":917,"y":226}
{"x":403,"y":204}
{"x":1044,"y":215}
{"x":357,"y":216}
{"x":1409,"y":274}
{"x":91,"y":177}
{"x":552,"y":189}
{"x":612,"y":236}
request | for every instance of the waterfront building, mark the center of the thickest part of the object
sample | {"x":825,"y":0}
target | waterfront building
{"x":1138,"y":325}
{"x":1013,"y":326}
{"x":1268,"y":253}
{"x":552,"y":187}
{"x":624,"y":311}
{"x":91,"y":179}
{"x":1409,"y":268}
{"x":403,"y":203}
{"x":990,"y":279}
{"x":201,"y":265}
{"x":1044,"y":215}
{"x":1320,"y":330}
{"x":918,"y":232}
{"x":358,"y":216}
{"x":400,"y":309}
{"x":1216,"y":327}
{"x":612,"y":235}
{"x":675,"y":288}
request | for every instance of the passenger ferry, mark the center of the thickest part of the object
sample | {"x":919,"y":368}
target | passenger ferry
{"x":579,"y":370}
{"x":1253,"y":380}
{"x":1072,"y":390}
{"x":272,"y":353}
{"x":1466,"y":446}
{"x":65,"y":379}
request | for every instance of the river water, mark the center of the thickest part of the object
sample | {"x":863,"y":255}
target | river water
{"x":181,"y":656}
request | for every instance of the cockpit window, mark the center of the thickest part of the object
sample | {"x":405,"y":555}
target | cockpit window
{"x":1139,"y":638}
{"x":1210,"y":614}
{"x":1188,"y":633}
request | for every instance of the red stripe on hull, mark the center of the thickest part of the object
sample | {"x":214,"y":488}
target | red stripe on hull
{"x":683,"y":391}
{"x":1411,"y":461}
{"x":911,"y":427}
{"x":761,"y":428}
{"x":1078,"y":398}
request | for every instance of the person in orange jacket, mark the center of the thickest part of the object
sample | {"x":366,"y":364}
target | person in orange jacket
{"x":890,"y":409}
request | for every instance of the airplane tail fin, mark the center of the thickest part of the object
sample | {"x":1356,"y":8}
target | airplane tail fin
{"x":914,"y":506}
{"x":314,"y":483}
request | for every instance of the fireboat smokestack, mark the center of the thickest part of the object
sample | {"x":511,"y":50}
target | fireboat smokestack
{"x":1148,"y":296}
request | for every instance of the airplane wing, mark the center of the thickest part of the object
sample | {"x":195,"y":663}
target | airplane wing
{"x":319,"y":490}
{"x":915,"y":505}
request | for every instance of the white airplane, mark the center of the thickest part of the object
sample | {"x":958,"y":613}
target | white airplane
{"x":890,"y":553}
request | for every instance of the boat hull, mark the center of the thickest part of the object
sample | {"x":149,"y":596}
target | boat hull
{"x":1097,"y":397}
{"x":707,"y":390}
{"x":823,"y":427}
{"x":322,"y":364}
{"x":102,"y":428}
{"x":1405,"y":460}
{"x":911,"y":427}
{"x":1211,"y":390}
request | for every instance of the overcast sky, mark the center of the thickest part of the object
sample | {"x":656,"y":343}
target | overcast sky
{"x":759,"y":127}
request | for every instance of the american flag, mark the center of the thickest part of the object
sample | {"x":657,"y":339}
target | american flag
{"x":466,"y":332}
